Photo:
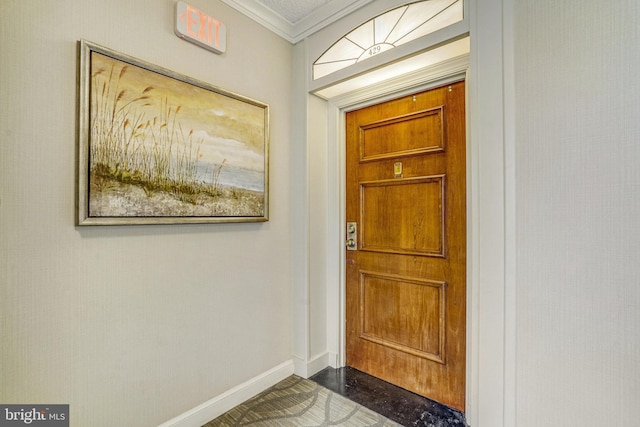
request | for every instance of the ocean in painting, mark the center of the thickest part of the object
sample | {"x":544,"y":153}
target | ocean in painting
{"x":231,"y":176}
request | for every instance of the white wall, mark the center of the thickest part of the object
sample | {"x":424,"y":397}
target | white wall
{"x":309,"y":196}
{"x":578,"y":210}
{"x":318,"y":236}
{"x":131,"y":325}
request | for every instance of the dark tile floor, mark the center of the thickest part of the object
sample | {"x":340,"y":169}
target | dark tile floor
{"x":395,"y":403}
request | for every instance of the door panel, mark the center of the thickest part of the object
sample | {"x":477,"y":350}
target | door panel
{"x":423,"y":131}
{"x":403,"y":215}
{"x":406,"y":280}
{"x":419,"y":331}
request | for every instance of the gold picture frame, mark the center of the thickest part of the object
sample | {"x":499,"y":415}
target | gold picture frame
{"x":157,"y":147}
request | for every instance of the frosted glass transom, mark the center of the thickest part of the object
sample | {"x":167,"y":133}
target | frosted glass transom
{"x":389,"y":30}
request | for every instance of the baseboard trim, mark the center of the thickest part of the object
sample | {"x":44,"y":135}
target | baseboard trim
{"x":333,"y":360}
{"x":220,"y":404}
{"x":307,"y":368}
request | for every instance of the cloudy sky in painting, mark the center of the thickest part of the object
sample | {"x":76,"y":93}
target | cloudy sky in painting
{"x":230,"y":130}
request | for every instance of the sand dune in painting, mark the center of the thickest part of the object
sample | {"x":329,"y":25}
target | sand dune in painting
{"x":123,"y":200}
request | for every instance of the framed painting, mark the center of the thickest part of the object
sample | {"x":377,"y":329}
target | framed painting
{"x":157,"y":147}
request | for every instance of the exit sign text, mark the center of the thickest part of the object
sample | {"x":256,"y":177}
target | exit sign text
{"x":199,"y":28}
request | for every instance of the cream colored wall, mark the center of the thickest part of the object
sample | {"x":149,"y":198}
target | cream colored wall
{"x":318,"y":199}
{"x":131,"y":325}
{"x":578,"y":210}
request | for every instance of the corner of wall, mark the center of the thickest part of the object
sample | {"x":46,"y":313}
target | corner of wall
{"x":308,"y":368}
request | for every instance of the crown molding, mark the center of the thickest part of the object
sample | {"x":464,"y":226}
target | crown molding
{"x":320,"y":18}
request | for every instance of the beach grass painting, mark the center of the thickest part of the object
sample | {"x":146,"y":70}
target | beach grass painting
{"x":158,"y":147}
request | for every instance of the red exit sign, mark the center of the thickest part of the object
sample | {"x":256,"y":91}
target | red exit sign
{"x":199,"y":28}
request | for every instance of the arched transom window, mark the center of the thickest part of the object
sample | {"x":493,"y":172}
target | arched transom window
{"x":389,"y":30}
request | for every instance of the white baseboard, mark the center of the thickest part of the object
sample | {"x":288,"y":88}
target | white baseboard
{"x":333,"y":360}
{"x":305,"y":369}
{"x":220,"y":404}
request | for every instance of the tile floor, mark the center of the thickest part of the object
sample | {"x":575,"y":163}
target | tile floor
{"x":395,"y":403}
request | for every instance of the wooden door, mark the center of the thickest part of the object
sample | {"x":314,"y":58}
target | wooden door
{"x":406,"y":269}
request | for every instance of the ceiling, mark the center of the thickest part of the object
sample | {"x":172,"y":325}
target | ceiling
{"x":295,"y":19}
{"x":294,"y":10}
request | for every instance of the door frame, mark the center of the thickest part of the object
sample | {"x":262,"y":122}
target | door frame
{"x":492,"y":305}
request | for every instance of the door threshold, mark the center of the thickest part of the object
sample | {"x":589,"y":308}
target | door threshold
{"x":393,"y":402}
